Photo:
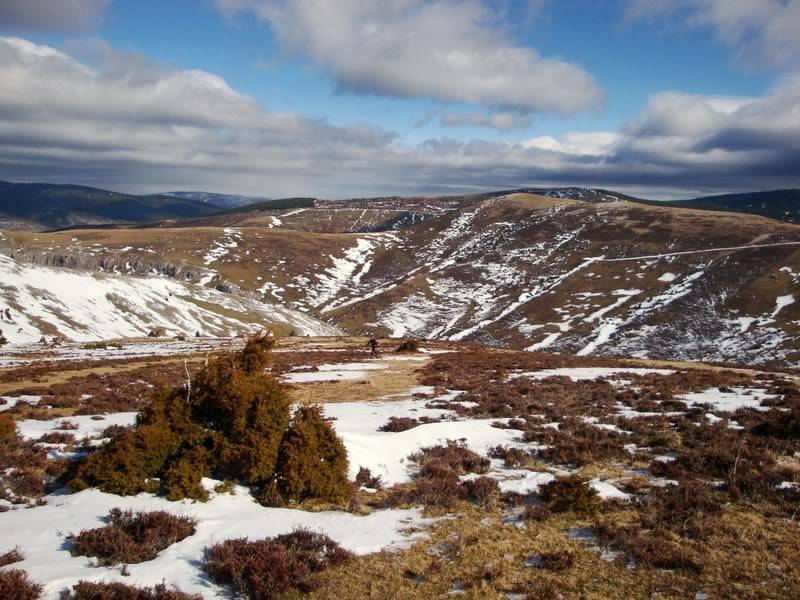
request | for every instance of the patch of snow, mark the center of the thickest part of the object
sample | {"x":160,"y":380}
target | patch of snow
{"x":781,"y":303}
{"x":608,"y":491}
{"x":518,"y":481}
{"x":30,"y":429}
{"x":12,"y":401}
{"x":386,"y":453}
{"x":338,"y":372}
{"x":40,"y":533}
{"x":588,"y":373}
{"x":738,"y":398}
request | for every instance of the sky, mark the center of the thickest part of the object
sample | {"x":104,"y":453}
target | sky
{"x":354,"y":98}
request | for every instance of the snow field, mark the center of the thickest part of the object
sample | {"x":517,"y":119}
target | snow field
{"x":92,"y":306}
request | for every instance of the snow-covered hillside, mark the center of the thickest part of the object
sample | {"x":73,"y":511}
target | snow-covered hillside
{"x":592,"y":275}
{"x":82,"y":306}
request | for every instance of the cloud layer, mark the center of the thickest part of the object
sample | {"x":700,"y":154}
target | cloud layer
{"x":764,"y":32}
{"x":453,"y":51}
{"x":123,"y":122}
{"x":69,"y":15}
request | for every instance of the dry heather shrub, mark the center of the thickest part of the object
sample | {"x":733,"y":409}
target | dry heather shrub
{"x":558,"y":560}
{"x":132,"y":537}
{"x":654,"y":548}
{"x":8,"y":428}
{"x":365,"y":478}
{"x":684,"y":509}
{"x":571,"y":493}
{"x":267,"y":569}
{"x":16,"y":584}
{"x":745,"y":464}
{"x":535,"y":513}
{"x":576,"y":443}
{"x":408,"y":346}
{"x":57,"y":437}
{"x":24,"y":468}
{"x":482,"y":490}
{"x":91,"y":590}
{"x":230,"y":425}
{"x":398,"y":424}
{"x":11,"y":557}
{"x":436,"y":482}
{"x":454,"y":457}
{"x":779,"y":424}
{"x":312,"y":461}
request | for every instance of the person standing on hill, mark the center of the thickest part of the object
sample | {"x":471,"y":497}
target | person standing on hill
{"x":373,"y":345}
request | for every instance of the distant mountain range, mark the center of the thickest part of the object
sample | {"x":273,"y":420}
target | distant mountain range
{"x":53,"y":206}
{"x":779,"y":204}
{"x":43,"y":206}
{"x":221,"y":200}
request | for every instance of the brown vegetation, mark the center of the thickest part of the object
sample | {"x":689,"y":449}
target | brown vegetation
{"x":16,"y":584}
{"x":91,"y":590}
{"x":132,"y":537}
{"x":231,"y":423}
{"x":266,"y":569}
{"x":10,"y":557}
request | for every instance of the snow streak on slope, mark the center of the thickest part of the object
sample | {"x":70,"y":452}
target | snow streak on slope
{"x":223,"y":247}
{"x":342,"y":280}
{"x":83,"y":306}
{"x":501,"y":280}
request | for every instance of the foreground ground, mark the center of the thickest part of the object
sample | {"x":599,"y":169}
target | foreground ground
{"x":688,"y":477}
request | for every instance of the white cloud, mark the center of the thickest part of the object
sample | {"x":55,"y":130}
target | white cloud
{"x":596,"y":143}
{"x":761,"y":31}
{"x":452,"y":51}
{"x":123,"y":122}
{"x":69,"y":15}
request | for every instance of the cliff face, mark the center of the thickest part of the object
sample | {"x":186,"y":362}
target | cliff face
{"x":101,"y":261}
